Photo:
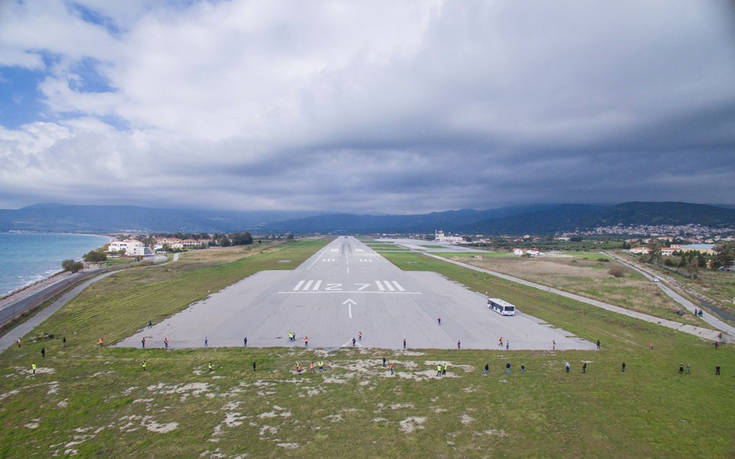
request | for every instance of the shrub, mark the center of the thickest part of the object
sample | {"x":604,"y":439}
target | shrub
{"x":93,"y":256}
{"x":72,"y":266}
{"x":616,"y":271}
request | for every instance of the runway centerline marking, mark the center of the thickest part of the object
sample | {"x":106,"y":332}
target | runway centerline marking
{"x":352,"y":291}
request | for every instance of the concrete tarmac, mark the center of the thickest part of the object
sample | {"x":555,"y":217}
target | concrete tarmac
{"x":344,"y":289}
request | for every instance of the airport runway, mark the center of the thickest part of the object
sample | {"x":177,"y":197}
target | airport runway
{"x":343,"y":289}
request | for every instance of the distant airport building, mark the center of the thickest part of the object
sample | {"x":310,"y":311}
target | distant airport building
{"x":439,"y":236}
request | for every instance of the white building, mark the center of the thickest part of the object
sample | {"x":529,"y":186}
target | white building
{"x":439,"y":236}
{"x":131,"y":247}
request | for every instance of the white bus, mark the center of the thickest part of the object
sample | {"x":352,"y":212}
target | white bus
{"x":501,"y":307}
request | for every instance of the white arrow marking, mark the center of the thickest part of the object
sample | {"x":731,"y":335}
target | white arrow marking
{"x":349,"y":302}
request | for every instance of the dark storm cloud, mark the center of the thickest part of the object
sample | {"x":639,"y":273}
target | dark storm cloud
{"x":377,"y":108}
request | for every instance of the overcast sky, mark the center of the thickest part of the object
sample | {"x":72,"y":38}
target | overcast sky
{"x":366,"y":106}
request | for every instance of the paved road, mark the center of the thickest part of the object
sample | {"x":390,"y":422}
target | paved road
{"x":11,"y":310}
{"x":709,"y":318}
{"x":711,"y":335}
{"x":345,"y":288}
{"x":21,"y":330}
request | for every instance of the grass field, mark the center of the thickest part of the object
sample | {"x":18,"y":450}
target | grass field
{"x":90,"y":401}
{"x":585,"y":273}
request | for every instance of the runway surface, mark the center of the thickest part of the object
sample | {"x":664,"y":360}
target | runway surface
{"x":344,"y":289}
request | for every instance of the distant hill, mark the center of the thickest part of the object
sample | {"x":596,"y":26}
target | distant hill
{"x":111,"y":219}
{"x":536,"y":219}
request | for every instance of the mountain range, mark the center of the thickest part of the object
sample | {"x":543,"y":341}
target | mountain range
{"x":535,"y":219}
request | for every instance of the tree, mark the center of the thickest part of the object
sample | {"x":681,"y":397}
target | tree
{"x":72,"y":266}
{"x":724,"y":255}
{"x":242,"y":238}
{"x":94,"y":256}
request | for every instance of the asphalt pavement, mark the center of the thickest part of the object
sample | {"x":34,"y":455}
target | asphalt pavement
{"x":344,"y":289}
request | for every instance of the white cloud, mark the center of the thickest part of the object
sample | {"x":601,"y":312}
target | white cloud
{"x":382,"y":105}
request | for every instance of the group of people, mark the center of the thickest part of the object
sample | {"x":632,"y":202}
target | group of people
{"x":319,"y":364}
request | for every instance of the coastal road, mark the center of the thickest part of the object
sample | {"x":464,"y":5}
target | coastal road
{"x":344,"y":289}
{"x":9,"y":339}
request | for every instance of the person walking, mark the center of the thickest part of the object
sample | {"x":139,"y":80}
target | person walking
{"x":507,"y":345}
{"x":210,"y":366}
{"x":144,"y":365}
{"x":245,"y":342}
{"x":33,"y":368}
{"x":383,"y":361}
{"x":584,"y":367}
{"x":63,"y":341}
{"x":566,"y":367}
{"x":206,"y":341}
{"x":553,"y":344}
{"x":150,"y":324}
{"x":321,"y":366}
{"x":438,"y":370}
{"x":142,"y":343}
{"x":359,"y":336}
{"x":19,"y":342}
{"x":507,"y":366}
{"x":404,"y":344}
{"x":717,"y":370}
{"x":253,"y":366}
{"x":459,"y":344}
{"x":100,"y":343}
{"x":43,"y":352}
{"x":444,"y":369}
{"x":306,"y":341}
{"x":438,"y":320}
{"x":523,"y":368}
{"x":717,"y":344}
{"x":391,"y":369}
{"x":622,"y":367}
{"x":353,"y":341}
{"x":681,"y":368}
{"x":598,"y":344}
{"x":311,"y":367}
{"x":487,"y":368}
{"x":689,"y":370}
{"x":165,"y":343}
{"x":298,"y":367}
{"x":500,"y":341}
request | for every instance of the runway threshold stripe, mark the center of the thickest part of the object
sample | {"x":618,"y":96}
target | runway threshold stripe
{"x":389,"y":286}
{"x":298,"y":286}
{"x":398,"y":286}
{"x":316,"y":286}
{"x":308,"y":284}
{"x":380,"y":286}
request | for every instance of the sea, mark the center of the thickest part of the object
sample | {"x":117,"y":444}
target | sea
{"x":29,"y":257}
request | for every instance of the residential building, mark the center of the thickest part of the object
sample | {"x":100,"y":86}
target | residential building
{"x":130,"y":247}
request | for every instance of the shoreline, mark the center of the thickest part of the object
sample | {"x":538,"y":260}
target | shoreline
{"x":48,"y":277}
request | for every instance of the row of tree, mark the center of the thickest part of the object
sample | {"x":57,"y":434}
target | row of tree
{"x":692,"y":261}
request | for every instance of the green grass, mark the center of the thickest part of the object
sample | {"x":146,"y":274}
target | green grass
{"x":593,"y":255}
{"x":471,"y":255}
{"x":354,"y":408}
